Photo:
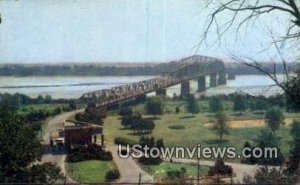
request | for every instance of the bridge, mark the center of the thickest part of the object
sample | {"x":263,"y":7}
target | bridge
{"x":194,"y":67}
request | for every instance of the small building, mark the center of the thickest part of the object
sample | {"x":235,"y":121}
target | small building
{"x":82,"y":134}
{"x":57,"y":137}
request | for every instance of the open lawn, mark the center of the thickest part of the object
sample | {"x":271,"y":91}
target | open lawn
{"x":196,"y":131}
{"x":92,"y":171}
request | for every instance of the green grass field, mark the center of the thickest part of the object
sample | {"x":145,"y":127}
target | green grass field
{"x":92,"y":171}
{"x":24,"y":109}
{"x":195,"y":132}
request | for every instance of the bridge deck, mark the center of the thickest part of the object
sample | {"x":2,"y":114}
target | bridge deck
{"x":116,"y":94}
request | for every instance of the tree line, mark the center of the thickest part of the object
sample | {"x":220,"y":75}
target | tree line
{"x":123,"y":69}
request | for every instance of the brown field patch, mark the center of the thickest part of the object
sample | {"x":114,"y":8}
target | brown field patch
{"x":248,"y":123}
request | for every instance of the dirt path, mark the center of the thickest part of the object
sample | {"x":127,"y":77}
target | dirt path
{"x":128,"y":168}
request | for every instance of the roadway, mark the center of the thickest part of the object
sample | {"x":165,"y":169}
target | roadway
{"x":128,"y":168}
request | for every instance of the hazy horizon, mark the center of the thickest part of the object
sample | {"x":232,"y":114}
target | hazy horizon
{"x":120,"y":31}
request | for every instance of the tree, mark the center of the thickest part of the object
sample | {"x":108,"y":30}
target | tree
{"x":48,"y":99}
{"x":40,"y":99}
{"x":126,"y":111}
{"x":216,"y":104}
{"x":295,"y":130}
{"x":267,"y":139}
{"x":274,"y":118}
{"x":239,"y":103}
{"x":126,"y":121}
{"x":259,"y":104}
{"x":177,"y":110}
{"x":269,"y":175}
{"x":72,"y":104}
{"x":294,"y":157}
{"x":154,"y":106}
{"x":251,"y":159}
{"x":56,"y":111}
{"x":19,"y":146}
{"x":220,"y":125}
{"x":293,"y":92}
{"x":192,"y":105}
{"x":45,"y":173}
{"x":243,"y":12}
{"x":19,"y":149}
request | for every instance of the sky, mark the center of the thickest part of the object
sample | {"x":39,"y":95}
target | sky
{"x":64,"y":31}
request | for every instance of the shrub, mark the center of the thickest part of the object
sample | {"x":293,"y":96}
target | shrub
{"x":124,"y":141}
{"x":150,"y":160}
{"x":112,"y":175}
{"x":176,"y":174}
{"x":220,"y":168}
{"x":92,"y":152}
{"x":126,"y":111}
{"x":176,"y":127}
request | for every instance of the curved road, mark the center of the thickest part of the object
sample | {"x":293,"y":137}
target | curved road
{"x":128,"y":168}
{"x":54,"y":156}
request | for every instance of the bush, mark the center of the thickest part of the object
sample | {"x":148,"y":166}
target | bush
{"x":220,"y":168}
{"x":92,"y":152}
{"x":150,"y":160}
{"x":176,"y":127}
{"x":124,"y":141}
{"x":89,"y":117}
{"x":176,"y":174}
{"x":126,"y":111}
{"x":112,"y":175}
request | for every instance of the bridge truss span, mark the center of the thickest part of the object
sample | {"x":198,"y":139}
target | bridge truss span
{"x":193,"y":67}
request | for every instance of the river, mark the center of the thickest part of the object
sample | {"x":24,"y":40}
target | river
{"x":75,"y":86}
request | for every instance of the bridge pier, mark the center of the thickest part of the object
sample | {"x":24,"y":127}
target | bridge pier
{"x":201,"y":84}
{"x":213,"y":80}
{"x":185,"y":89}
{"x":161,"y":92}
{"x":222,"y":78}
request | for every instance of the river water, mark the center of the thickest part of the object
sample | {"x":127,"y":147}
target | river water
{"x":75,"y":86}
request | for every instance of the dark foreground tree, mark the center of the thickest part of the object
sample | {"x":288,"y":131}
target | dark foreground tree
{"x":269,"y":175}
{"x":45,"y":173}
{"x":295,"y":130}
{"x":266,"y":139}
{"x":19,"y":146}
{"x":19,"y":149}
{"x":242,"y":13}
